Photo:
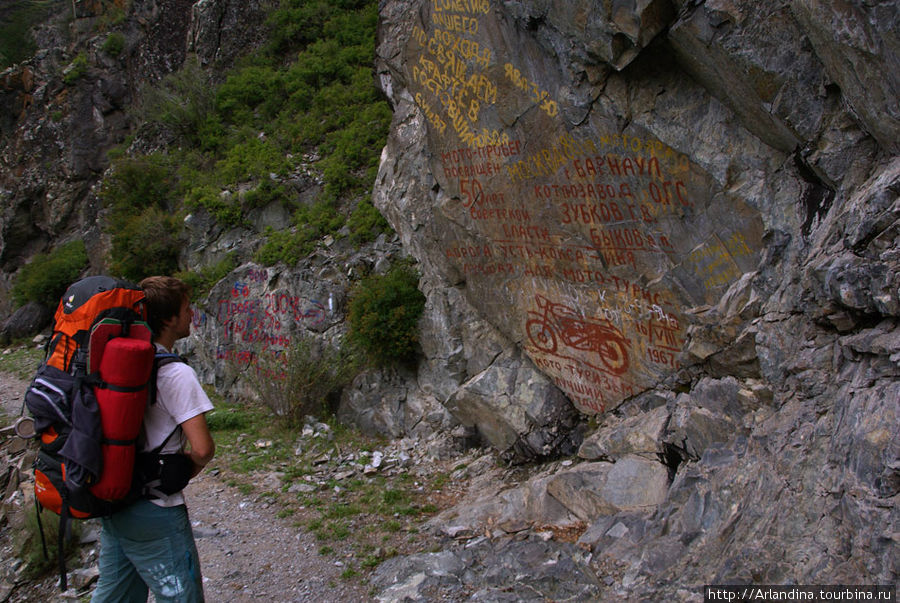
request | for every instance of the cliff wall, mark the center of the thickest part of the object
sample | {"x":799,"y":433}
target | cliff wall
{"x":683,"y":217}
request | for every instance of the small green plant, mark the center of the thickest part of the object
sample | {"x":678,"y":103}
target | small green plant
{"x":183,"y":102}
{"x":318,"y":219}
{"x":47,"y":276}
{"x":114,"y":44}
{"x":254,"y":88}
{"x":113,"y":14}
{"x":366,"y":223}
{"x":282,"y":246}
{"x":267,"y":192}
{"x":373,"y":559}
{"x":311,"y":223}
{"x":76,"y":70}
{"x":136,"y":183}
{"x":31,"y":551}
{"x":384,"y":313}
{"x":201,"y":282}
{"x":251,"y":160}
{"x":299,"y":380}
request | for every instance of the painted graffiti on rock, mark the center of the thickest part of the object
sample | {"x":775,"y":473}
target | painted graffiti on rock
{"x":266,"y":321}
{"x":599,"y":240}
{"x":557,"y":329}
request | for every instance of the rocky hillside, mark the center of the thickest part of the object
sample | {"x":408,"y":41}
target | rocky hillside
{"x":659,"y":247}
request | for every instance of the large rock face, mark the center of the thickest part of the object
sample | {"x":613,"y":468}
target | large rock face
{"x":575,"y":207}
{"x":683,"y":216}
{"x":593,"y":188}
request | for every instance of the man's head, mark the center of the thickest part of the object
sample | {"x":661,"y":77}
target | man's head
{"x":168,"y":306}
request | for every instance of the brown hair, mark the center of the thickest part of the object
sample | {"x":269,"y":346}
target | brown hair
{"x":165,"y":296}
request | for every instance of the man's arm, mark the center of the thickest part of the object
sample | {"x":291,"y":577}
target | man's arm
{"x":202,"y":445}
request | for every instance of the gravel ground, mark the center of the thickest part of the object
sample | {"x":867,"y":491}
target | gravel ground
{"x":247,"y":552}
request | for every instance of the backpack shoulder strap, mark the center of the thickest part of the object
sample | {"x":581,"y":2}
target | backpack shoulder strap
{"x":161,"y":359}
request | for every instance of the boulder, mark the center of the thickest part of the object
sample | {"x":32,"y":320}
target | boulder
{"x":29,"y":320}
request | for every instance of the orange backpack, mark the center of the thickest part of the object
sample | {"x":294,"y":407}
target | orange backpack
{"x":88,"y":400}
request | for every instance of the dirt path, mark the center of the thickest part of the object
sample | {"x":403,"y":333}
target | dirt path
{"x":247,"y":552}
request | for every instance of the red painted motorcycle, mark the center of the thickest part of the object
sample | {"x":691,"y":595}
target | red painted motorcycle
{"x":558,"y":323}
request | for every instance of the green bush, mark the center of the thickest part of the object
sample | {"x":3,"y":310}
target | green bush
{"x":47,"y":276}
{"x":311,"y":224}
{"x":384,"y":313}
{"x":319,"y":219}
{"x":255,"y":87}
{"x":309,"y":94}
{"x":183,"y":102}
{"x":136,"y":183}
{"x":267,"y":192}
{"x":252,"y":159}
{"x":366,"y":223}
{"x":76,"y":70}
{"x":145,"y":245}
{"x":201,"y":282}
{"x":286,"y":246}
{"x":114,"y":44}
{"x":325,"y":98}
{"x":226,"y":209}
{"x":302,"y":379}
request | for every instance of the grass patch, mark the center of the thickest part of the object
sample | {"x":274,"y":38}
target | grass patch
{"x":28,"y":543}
{"x":361,"y":519}
{"x":22,"y":361}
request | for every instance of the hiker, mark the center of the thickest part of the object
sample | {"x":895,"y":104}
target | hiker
{"x":149,"y":544}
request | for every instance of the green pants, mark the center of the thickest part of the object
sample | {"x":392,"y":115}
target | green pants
{"x":147,"y":547}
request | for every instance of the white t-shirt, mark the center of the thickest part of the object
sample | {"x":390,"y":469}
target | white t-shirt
{"x":179,"y":397}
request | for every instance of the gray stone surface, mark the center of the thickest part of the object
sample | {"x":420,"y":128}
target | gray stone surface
{"x":750,"y":358}
{"x":30,"y":319}
{"x":771,"y":417}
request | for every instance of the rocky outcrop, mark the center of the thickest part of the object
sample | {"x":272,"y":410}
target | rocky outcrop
{"x":656,"y":238}
{"x":57,"y":131}
{"x":683,"y":216}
